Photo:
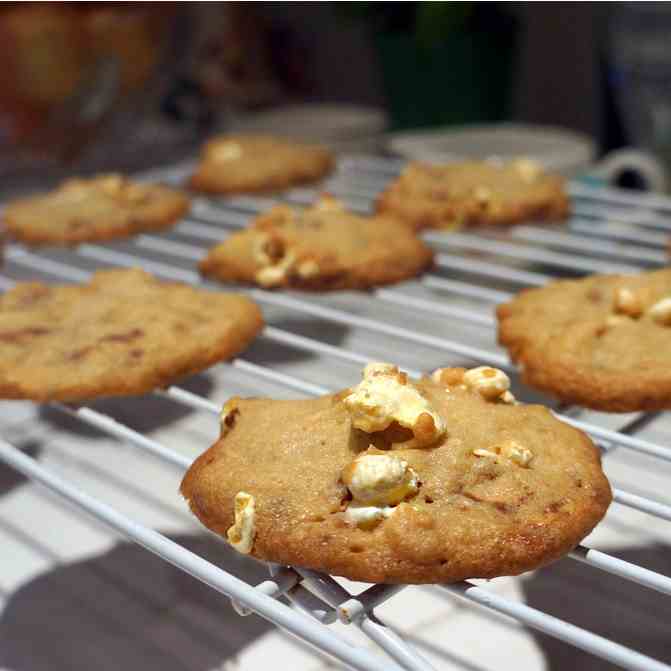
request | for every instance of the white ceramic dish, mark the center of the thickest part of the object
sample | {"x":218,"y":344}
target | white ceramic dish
{"x":558,"y":149}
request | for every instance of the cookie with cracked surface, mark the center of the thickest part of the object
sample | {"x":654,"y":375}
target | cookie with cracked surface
{"x":123,"y":333}
{"x":477,"y":193}
{"x":98,"y":208}
{"x":256,"y":163}
{"x":601,"y":342}
{"x":320,"y":248}
{"x":398,"y":481}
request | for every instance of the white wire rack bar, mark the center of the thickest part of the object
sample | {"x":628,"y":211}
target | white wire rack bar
{"x":606,"y":229}
{"x":577,"y":243}
{"x":595,"y":558}
{"x":36,"y":262}
{"x":620,"y":197}
{"x":267,"y":607}
{"x":501,"y":248}
{"x":360,"y":609}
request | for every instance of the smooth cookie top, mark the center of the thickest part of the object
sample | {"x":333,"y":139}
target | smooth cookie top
{"x":320,"y":248}
{"x":474,"y":193}
{"x":602,"y":342}
{"x":123,"y":333}
{"x":256,"y":163}
{"x":97,"y":208}
{"x":398,"y":481}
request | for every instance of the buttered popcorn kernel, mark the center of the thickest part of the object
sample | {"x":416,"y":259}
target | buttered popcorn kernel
{"x":377,"y":483}
{"x":490,"y":383}
{"x":508,"y":398}
{"x":241,"y":534}
{"x":661,"y":311}
{"x":450,"y":377}
{"x":308,"y":269}
{"x":510,"y":450}
{"x":367,"y":517}
{"x":379,"y":479}
{"x":226,"y":151}
{"x":385,"y":396}
{"x":528,"y":169}
{"x":482,"y":194}
{"x":615,"y":320}
{"x":627,"y":302}
{"x":273,"y":275}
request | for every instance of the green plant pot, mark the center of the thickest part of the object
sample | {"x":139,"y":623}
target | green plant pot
{"x":468,"y":78}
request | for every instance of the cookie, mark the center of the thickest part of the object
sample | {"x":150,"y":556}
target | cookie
{"x":397,"y":481}
{"x":123,"y":333}
{"x":601,"y":342}
{"x":99,"y":208}
{"x":320,"y":248}
{"x":474,"y":193}
{"x":257,"y":163}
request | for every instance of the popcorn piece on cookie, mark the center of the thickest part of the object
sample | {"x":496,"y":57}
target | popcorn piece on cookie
{"x":241,"y":534}
{"x":490,"y":383}
{"x":378,"y":483}
{"x":628,"y":302}
{"x":385,"y":396}
{"x":661,"y":311}
{"x":510,"y":450}
{"x":379,"y":478}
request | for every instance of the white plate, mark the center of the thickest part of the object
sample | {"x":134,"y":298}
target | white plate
{"x":557,"y":149}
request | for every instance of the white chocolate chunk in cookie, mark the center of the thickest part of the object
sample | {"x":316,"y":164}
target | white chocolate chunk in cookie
{"x":241,"y":534}
{"x":490,"y":383}
{"x":385,"y":396}
{"x":661,"y":311}
{"x":375,"y":479}
{"x":509,"y":449}
{"x":628,"y":302}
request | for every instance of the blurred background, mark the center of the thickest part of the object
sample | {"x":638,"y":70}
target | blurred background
{"x":90,"y":86}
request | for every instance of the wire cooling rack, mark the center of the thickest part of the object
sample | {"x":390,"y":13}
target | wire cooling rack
{"x":314,"y":344}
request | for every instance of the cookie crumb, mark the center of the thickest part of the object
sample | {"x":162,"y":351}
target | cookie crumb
{"x":241,"y":534}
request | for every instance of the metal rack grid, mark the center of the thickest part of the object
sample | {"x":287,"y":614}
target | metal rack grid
{"x":446,"y":316}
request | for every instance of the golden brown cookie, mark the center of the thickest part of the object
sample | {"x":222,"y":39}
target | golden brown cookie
{"x":321,"y":248}
{"x":257,"y":163}
{"x":474,"y":193}
{"x":602,"y":342}
{"x":99,"y":208}
{"x":123,"y":333}
{"x":401,"y":482}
